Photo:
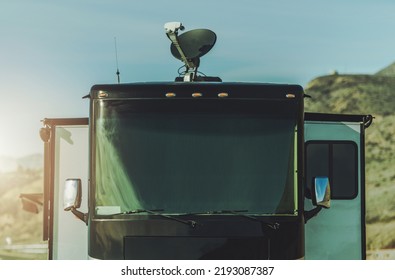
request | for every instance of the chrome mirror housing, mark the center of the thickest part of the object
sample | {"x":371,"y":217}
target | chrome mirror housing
{"x":72,"y":198}
{"x":72,"y":194}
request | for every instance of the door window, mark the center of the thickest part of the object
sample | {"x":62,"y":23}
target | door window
{"x":337,"y":160}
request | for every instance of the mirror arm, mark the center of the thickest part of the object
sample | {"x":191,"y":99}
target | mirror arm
{"x":311,"y":213}
{"x":82,"y":216}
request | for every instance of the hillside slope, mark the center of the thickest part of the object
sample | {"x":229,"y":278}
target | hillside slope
{"x":352,"y":94}
{"x":387,"y":71}
{"x":17,"y":226}
{"x":375,"y":95}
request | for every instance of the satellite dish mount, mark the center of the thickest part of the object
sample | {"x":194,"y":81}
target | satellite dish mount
{"x":189,"y":47}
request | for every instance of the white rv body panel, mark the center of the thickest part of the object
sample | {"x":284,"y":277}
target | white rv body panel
{"x":70,"y":160}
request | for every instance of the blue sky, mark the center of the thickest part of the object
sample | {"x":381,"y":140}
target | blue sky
{"x":52,"y":52}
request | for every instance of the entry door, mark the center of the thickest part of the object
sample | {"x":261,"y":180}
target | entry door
{"x":335,"y":149}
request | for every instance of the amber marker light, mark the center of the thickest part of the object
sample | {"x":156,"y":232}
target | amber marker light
{"x":102,"y":94}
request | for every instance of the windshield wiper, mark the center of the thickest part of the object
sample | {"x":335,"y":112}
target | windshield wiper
{"x":157,"y":212}
{"x":273,"y":226}
{"x":136,"y":211}
{"x":214,"y":212}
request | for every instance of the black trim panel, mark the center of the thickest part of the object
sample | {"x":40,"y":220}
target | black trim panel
{"x":365,"y":119}
{"x":65,"y":121}
{"x":363,"y":192}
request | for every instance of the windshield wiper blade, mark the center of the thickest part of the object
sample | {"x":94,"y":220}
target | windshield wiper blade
{"x":273,"y":226}
{"x":157,"y":212}
{"x":234,"y":212}
{"x":136,"y":211}
{"x":214,"y":212}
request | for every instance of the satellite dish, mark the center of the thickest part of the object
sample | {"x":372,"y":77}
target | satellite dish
{"x":189,"y":47}
{"x":194,"y":44}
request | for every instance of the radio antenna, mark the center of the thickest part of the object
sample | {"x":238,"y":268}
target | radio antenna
{"x":116,"y":60}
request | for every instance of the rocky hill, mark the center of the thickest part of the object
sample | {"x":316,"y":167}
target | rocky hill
{"x":352,"y":94}
{"x":375,"y":95}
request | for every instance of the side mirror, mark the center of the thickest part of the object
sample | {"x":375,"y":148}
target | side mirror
{"x":72,"y":194}
{"x":72,"y":198}
{"x":321,"y":192}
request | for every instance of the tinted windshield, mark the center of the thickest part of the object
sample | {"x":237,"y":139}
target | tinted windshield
{"x":192,"y":161}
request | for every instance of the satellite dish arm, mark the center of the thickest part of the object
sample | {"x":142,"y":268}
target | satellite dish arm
{"x":171,"y":29}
